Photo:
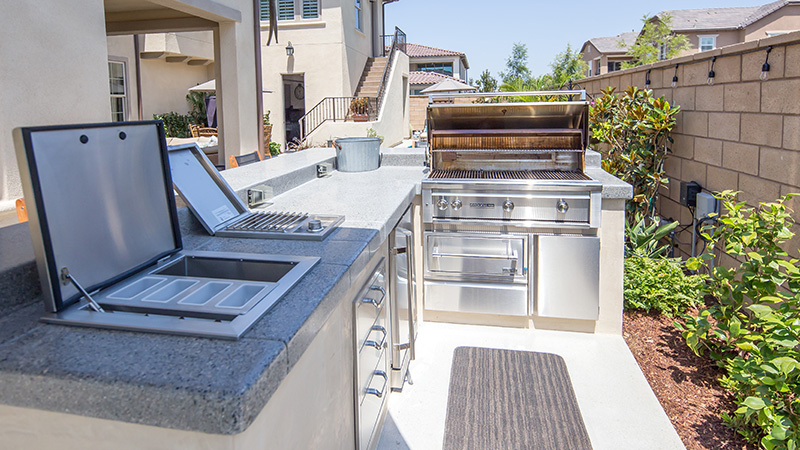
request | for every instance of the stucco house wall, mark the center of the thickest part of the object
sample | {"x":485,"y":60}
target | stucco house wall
{"x":57,"y":70}
{"x":329,"y":52}
{"x":459,"y":70}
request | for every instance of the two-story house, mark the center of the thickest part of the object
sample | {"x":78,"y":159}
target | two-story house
{"x":706,"y":28}
{"x":430,"y":65}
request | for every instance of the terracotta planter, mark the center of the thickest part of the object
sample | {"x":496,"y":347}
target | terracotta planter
{"x":361,"y":117}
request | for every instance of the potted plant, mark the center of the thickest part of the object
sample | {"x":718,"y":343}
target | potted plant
{"x":359,"y":109}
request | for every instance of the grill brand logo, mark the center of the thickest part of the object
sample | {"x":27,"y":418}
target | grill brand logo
{"x":481,"y":205}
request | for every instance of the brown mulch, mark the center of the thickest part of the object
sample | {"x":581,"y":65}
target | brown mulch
{"x":685,"y":384}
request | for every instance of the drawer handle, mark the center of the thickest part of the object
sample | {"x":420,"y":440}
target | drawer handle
{"x":375,"y":302}
{"x":436,"y":254}
{"x":374,"y":391}
{"x":375,"y":344}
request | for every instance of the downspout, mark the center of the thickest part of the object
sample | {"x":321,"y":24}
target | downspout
{"x":137,"y":62}
{"x":259,"y":85}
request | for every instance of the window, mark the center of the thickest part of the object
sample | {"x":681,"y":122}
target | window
{"x":286,"y":9}
{"x":117,"y":86}
{"x":438,"y":67}
{"x":358,"y":15}
{"x":662,"y":52}
{"x":614,"y":66}
{"x":707,"y":42}
{"x":310,"y":9}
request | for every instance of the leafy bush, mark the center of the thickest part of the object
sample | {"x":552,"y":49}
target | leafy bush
{"x":274,"y":148}
{"x":197,"y":113}
{"x":175,"y":125}
{"x":659,"y":284}
{"x":754,"y":329}
{"x":636,"y":126}
{"x":643,"y":240}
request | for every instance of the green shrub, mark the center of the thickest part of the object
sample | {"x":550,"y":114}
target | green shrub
{"x":643,"y":239}
{"x":636,"y":127}
{"x":274,"y":148}
{"x":754,"y":329}
{"x":659,"y":284}
{"x":197,"y":104}
{"x":175,"y":125}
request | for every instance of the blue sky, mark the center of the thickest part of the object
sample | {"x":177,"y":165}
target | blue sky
{"x":485,"y":31}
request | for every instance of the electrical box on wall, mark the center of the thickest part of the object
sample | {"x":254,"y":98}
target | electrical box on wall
{"x":706,"y":205}
{"x":689,"y":191}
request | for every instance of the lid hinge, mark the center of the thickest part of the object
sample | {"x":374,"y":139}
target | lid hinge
{"x":66,"y":278}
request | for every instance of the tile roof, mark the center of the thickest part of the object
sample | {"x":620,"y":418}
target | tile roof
{"x":722,"y":18}
{"x":610,"y":44}
{"x":419,"y":77}
{"x":422,"y":51}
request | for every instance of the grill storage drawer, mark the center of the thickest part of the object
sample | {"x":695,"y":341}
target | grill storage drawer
{"x":481,"y":298}
{"x":487,"y":257}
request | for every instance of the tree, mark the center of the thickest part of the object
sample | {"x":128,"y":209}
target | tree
{"x":486,"y":83}
{"x":567,"y":65}
{"x":656,"y":41}
{"x":517,"y":64}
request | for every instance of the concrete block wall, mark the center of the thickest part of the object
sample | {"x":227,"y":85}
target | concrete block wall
{"x":739,"y":133}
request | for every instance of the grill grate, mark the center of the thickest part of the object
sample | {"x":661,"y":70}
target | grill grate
{"x":508,"y":175}
{"x":268,"y":221}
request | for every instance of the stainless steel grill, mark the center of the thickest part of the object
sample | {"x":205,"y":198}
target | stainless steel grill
{"x":269,"y":221}
{"x":508,"y":175}
{"x":507,"y":196}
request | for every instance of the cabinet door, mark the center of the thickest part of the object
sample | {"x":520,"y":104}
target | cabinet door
{"x":567,"y":282}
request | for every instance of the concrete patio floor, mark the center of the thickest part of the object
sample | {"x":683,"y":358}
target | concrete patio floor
{"x":618,"y":407}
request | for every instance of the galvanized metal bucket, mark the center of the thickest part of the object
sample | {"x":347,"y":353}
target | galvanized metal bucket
{"x":358,"y":154}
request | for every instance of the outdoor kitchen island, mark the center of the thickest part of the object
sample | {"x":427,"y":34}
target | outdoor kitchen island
{"x":280,"y":385}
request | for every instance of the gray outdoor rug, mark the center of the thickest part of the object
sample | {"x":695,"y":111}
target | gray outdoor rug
{"x":505,"y":399}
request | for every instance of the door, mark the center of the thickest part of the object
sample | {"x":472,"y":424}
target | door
{"x":294,"y":103}
{"x":403,"y":298}
{"x":567,"y":277}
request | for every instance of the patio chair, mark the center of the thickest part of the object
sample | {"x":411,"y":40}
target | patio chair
{"x":198,"y":131}
{"x":22,"y":212}
{"x":243,"y":160}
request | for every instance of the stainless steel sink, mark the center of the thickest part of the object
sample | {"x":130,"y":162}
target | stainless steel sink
{"x":211,"y":294}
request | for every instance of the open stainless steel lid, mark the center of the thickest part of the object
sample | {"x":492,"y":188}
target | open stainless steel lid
{"x":100,"y":203}
{"x":209,"y":196}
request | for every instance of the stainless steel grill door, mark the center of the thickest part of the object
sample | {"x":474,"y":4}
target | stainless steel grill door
{"x":465,"y":256}
{"x":567,"y":277}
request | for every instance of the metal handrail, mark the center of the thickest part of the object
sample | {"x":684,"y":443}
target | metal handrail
{"x":338,"y":108}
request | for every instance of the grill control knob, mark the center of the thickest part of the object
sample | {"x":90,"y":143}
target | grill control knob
{"x":456,"y":205}
{"x":442,"y":204}
{"x":508,"y":206}
{"x":562,"y":206}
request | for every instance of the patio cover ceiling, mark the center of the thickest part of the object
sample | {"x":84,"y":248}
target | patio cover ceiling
{"x":158,"y":16}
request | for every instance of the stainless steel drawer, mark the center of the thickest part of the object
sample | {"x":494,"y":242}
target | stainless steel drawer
{"x":371,"y":398}
{"x":485,"y":298}
{"x":372,"y":351}
{"x":369,"y":305}
{"x":495,"y":257}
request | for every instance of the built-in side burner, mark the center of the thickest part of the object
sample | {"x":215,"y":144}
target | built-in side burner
{"x":224,"y":214}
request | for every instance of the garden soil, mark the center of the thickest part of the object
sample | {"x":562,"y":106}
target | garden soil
{"x":686,"y":385}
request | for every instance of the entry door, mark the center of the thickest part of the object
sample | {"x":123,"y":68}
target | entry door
{"x":294,"y":104}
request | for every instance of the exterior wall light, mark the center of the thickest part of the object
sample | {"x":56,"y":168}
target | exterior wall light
{"x":289,"y":49}
{"x":765,"y":66}
{"x":675,"y":77}
{"x":711,"y":73}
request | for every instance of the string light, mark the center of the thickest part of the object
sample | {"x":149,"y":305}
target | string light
{"x":765,"y":66}
{"x":647,"y":79}
{"x":711,"y":73}
{"x":675,"y":77}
